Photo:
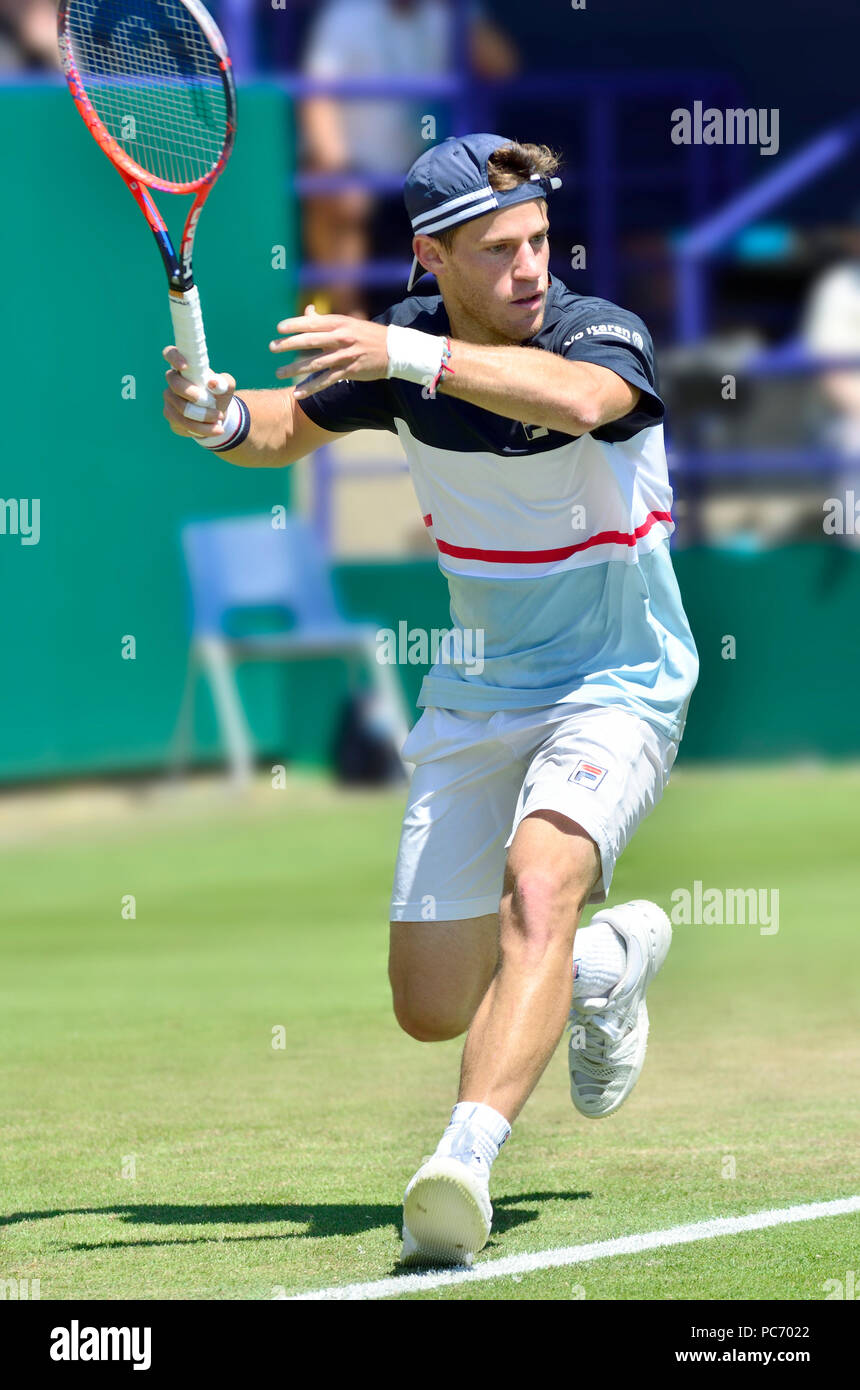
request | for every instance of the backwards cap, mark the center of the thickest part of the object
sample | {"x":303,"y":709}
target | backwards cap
{"x":450,"y":184}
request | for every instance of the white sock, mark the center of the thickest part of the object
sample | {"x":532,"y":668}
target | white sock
{"x":599,"y":961}
{"x":475,"y":1135}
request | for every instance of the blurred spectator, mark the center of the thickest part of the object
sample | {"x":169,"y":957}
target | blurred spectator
{"x":28,"y":35}
{"x":832,"y":329}
{"x":376,"y":39}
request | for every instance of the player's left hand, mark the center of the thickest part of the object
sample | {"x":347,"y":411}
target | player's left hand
{"x":332,"y":346}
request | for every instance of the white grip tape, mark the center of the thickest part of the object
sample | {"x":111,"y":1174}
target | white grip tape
{"x":191,"y":341}
{"x":414,"y":356}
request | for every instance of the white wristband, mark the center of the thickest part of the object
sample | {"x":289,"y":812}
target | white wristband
{"x":414,"y":356}
{"x":233,"y":422}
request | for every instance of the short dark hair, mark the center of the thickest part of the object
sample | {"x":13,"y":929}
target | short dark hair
{"x":508,"y":166}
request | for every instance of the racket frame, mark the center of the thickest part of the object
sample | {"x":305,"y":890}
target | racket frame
{"x":185,"y":301}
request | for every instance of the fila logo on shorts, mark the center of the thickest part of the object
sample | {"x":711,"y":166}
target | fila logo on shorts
{"x":587,"y":774}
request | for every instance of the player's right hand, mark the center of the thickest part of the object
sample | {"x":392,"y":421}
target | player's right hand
{"x":180,"y":393}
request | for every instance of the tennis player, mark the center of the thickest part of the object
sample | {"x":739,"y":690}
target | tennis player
{"x":532,"y":424}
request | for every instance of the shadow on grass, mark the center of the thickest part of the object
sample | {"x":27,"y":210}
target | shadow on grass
{"x":318,"y":1219}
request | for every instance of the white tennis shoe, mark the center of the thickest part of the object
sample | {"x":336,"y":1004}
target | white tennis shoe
{"x":447,"y":1214}
{"x":609,"y":1036}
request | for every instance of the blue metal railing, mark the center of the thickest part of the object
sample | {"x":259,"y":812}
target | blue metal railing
{"x":604,"y":180}
{"x":701,"y":243}
{"x":237,"y":21}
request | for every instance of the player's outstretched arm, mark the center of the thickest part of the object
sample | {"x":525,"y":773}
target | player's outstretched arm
{"x":541,"y":387}
{"x":520,"y":383}
{"x":279,"y":434}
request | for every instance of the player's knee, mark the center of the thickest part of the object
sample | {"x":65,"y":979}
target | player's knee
{"x":548,"y":880}
{"x":528,"y":912}
{"x":423,"y":1021}
{"x":540,"y":907}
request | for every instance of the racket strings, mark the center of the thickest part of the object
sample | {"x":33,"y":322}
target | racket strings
{"x":155,"y":83}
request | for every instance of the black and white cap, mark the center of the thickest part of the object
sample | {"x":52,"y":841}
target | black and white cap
{"x":450,"y":184}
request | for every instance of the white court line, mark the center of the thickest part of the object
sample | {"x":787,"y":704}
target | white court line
{"x":580,"y":1254}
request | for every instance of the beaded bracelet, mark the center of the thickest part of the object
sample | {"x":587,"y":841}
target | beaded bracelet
{"x":430,"y":391}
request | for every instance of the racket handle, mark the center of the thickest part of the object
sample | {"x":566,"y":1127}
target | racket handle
{"x":191,"y":340}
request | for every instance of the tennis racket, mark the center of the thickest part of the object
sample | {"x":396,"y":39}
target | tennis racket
{"x":153,"y":81}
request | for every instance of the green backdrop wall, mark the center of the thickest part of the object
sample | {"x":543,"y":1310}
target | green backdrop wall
{"x":85,"y":308}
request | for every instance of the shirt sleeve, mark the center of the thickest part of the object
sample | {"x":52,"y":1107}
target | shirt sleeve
{"x":355,"y":405}
{"x":595,"y":331}
{"x":351,"y":405}
{"x":371,"y":405}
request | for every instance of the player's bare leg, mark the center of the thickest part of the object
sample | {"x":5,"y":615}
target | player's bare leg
{"x":552,"y":867}
{"x":440,"y":972}
{"x":445,"y":973}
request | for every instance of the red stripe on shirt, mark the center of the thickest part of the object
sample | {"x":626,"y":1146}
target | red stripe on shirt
{"x":537,"y":557}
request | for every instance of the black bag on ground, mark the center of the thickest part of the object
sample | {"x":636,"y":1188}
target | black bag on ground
{"x":363,"y":753}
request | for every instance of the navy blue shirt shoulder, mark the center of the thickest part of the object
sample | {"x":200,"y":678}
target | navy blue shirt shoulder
{"x":575,"y":326}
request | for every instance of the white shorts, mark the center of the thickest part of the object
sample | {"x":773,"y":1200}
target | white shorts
{"x":477,"y":775}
